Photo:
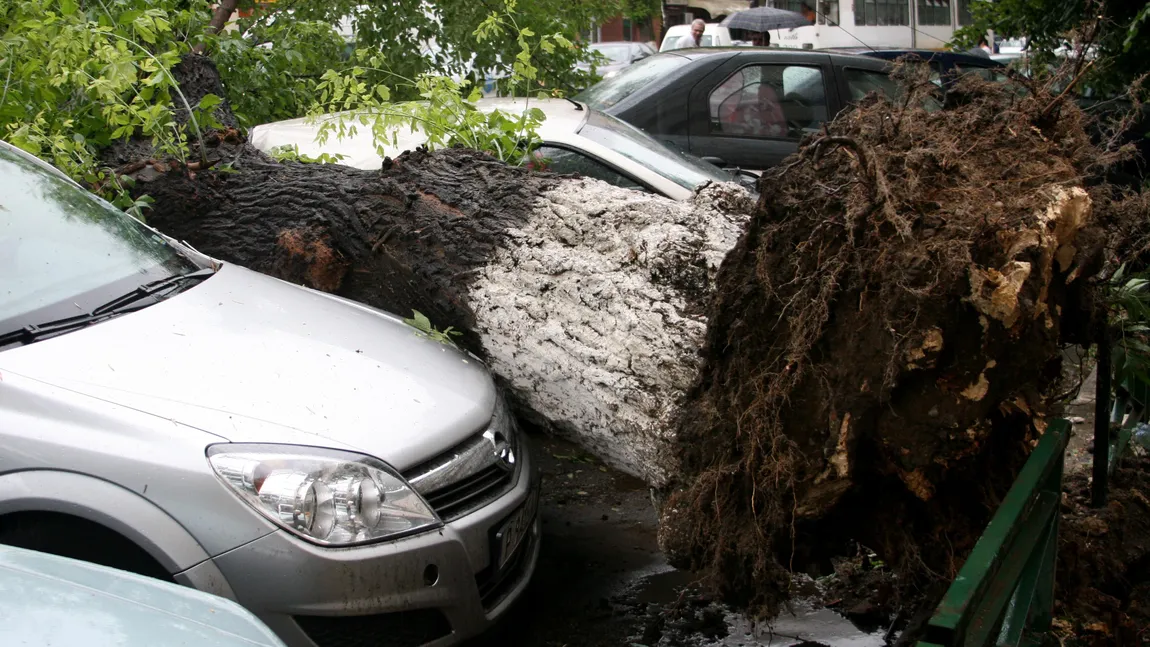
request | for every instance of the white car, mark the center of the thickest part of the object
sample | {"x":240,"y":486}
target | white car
{"x":576,"y":139}
{"x":714,"y":35}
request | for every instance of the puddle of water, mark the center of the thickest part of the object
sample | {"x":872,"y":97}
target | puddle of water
{"x":807,"y":625}
{"x":663,"y":586}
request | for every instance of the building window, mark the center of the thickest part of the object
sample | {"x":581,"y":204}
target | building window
{"x":790,"y":5}
{"x":882,"y":12}
{"x":627,"y":29}
{"x":828,"y":12}
{"x":964,"y":15}
{"x":934,"y":12}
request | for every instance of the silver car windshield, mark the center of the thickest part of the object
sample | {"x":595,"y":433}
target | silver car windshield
{"x":685,"y":170}
{"x":615,"y":53}
{"x":63,"y":251}
{"x":608,"y":92}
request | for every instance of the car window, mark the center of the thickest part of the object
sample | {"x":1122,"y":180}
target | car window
{"x":994,"y":74}
{"x":685,"y":170}
{"x":777,"y":101}
{"x":565,"y":160}
{"x":862,"y":82}
{"x":60,"y":244}
{"x":610,"y":91}
{"x":615,"y":53}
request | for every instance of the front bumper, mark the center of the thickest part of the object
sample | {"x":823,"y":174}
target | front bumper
{"x":437,"y":588}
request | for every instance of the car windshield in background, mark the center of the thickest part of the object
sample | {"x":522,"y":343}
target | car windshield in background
{"x":617,"y":53}
{"x":610,"y":91}
{"x":627,"y":140}
{"x":63,"y":251}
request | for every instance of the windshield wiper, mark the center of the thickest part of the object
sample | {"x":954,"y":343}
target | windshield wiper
{"x":117,"y":306}
{"x":151,"y":289}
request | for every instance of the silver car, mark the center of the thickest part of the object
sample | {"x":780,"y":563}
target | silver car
{"x":314,"y":459}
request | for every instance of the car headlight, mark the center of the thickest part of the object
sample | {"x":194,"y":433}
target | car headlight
{"x":503,"y":434}
{"x":325,"y":496}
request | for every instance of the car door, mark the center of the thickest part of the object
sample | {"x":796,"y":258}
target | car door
{"x":752,"y":111}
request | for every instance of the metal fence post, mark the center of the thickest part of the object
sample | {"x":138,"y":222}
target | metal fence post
{"x":1101,"y":473}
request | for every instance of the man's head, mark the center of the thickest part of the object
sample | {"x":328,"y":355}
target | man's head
{"x":698,"y":26}
{"x":757,"y":39}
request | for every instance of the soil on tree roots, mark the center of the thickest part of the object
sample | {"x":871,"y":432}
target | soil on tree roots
{"x":885,"y":339}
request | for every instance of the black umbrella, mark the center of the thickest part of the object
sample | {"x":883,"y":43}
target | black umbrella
{"x":764,"y":19}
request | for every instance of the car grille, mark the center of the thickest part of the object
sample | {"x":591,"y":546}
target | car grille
{"x":465,"y":478}
{"x":399,"y":629}
{"x":459,"y":498}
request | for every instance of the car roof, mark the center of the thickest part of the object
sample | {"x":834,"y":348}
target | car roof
{"x":839,"y":57}
{"x":563,"y":119}
{"x":927,"y":54}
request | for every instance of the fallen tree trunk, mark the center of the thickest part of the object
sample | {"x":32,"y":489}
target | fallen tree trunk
{"x":586,"y":300}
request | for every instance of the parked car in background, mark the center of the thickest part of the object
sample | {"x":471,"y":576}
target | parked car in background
{"x":310,"y":457}
{"x":714,"y":35}
{"x":619,"y":55}
{"x":743,"y":107}
{"x":48,"y":600}
{"x":576,"y":139}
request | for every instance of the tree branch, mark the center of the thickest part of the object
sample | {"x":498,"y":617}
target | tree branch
{"x":220,"y":15}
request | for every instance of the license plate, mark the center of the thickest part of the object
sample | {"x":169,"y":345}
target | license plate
{"x":516,"y":529}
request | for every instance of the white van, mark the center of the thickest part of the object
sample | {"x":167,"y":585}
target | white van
{"x":715,"y":35}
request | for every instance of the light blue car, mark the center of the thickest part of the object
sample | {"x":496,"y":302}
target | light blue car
{"x":47,"y":601}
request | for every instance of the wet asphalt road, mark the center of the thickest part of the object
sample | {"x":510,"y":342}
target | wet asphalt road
{"x":600,"y":569}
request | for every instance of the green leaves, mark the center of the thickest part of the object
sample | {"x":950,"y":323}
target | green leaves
{"x":1129,"y":300}
{"x":78,"y":77}
{"x":424,"y":329}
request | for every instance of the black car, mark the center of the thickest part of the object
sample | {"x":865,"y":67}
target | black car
{"x":739,"y":106}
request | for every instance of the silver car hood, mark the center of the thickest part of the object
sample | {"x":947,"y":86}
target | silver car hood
{"x":253,"y":359}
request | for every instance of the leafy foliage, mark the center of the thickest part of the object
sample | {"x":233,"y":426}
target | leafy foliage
{"x":1129,"y":299}
{"x":79,"y":76}
{"x":447,"y":38}
{"x":445,"y":109}
{"x":271,"y":68}
{"x":290,"y":153}
{"x":1114,"y":32}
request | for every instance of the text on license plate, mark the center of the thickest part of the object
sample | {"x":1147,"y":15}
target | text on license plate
{"x":517,"y":528}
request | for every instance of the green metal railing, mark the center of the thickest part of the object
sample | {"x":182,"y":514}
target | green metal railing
{"x":1004,"y":593}
{"x":1128,"y":410}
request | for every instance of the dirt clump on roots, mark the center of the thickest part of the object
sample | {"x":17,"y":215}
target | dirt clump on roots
{"x":884,"y":338}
